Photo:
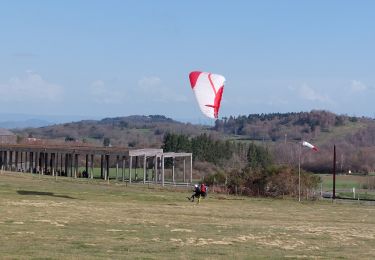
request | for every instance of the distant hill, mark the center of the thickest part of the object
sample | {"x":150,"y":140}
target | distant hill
{"x":131,"y":131}
{"x":280,"y":133}
{"x":24,"y":123}
{"x":14,"y":120}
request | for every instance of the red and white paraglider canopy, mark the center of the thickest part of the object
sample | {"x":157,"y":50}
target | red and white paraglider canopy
{"x":208,"y":89}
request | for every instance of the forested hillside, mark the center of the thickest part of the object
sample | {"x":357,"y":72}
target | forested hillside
{"x":354,"y":138}
{"x":224,"y":144}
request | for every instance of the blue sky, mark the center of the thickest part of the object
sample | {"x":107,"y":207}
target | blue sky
{"x":118,"y":58}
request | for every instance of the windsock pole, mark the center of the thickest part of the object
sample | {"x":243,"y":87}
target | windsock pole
{"x":334,"y":172}
{"x":299,"y":172}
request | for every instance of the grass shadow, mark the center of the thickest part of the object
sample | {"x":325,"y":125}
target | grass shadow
{"x":43,"y":193}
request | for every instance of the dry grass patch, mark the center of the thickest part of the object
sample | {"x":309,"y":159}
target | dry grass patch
{"x":84,"y":220}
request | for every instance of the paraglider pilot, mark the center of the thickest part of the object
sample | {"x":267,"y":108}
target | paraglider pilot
{"x":199,"y":191}
{"x":196,"y":194}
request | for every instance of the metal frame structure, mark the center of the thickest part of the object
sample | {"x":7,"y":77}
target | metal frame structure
{"x":56,"y":160}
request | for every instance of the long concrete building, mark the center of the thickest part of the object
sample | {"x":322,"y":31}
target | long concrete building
{"x":80,"y":161}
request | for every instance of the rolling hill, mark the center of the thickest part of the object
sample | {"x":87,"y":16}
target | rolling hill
{"x":278,"y":132}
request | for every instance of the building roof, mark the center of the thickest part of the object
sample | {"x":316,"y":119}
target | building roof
{"x":4,"y":131}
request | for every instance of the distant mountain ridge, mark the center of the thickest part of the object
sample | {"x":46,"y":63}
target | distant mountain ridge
{"x":15,"y":120}
{"x":24,"y":123}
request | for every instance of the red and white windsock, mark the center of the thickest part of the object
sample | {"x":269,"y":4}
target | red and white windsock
{"x":304,"y":143}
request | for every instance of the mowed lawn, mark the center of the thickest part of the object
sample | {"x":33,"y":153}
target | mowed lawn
{"x":89,"y":219}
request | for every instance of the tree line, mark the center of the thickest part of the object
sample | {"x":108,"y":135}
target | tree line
{"x":259,"y":175}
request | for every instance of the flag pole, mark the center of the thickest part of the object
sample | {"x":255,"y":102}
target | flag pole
{"x":334,"y":172}
{"x":299,"y":172}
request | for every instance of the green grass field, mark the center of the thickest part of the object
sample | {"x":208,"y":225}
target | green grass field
{"x":89,"y":219}
{"x":343,"y":181}
{"x":345,"y":184}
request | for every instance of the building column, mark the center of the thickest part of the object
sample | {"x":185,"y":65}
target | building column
{"x":6,"y":160}
{"x":136,"y":168}
{"x":41,"y":163}
{"x":11,"y":160}
{"x":173,"y":162}
{"x":87,"y":165}
{"x":156,"y":169}
{"x":101,"y":166}
{"x":71,"y":165}
{"x":107,"y":166}
{"x":36,"y":161}
{"x":92,"y":167}
{"x":75,"y":165}
{"x":123,"y":168}
{"x":66,"y":165}
{"x":16,"y":161}
{"x":53,"y":158}
{"x":144,"y":168}
{"x":61,"y":163}
{"x":191,"y":168}
{"x":184,"y":176}
{"x":31,"y":162}
{"x":21,"y":161}
{"x":130,"y":168}
{"x":117,"y":163}
{"x":46,"y":164}
{"x":1,"y":160}
{"x":162,"y":170}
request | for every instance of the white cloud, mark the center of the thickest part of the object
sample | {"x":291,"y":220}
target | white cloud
{"x":153,"y":88}
{"x":149,"y":82}
{"x":358,"y":86}
{"x":308,"y":93}
{"x":30,"y":88}
{"x":102,"y":94}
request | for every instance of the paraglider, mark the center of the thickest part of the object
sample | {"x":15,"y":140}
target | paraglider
{"x":208,"y":89}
